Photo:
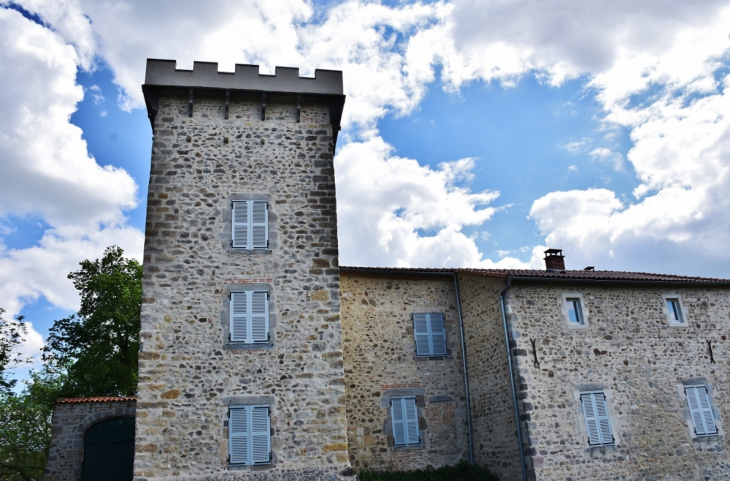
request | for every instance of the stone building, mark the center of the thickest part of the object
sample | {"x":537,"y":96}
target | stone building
{"x":263,"y":359}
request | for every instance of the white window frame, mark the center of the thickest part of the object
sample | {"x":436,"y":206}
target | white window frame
{"x":249,"y":439}
{"x":249,"y":225}
{"x":594,"y":406}
{"x":429,"y":341}
{"x":567,"y":298}
{"x":699,"y":413}
{"x":669,"y":314}
{"x":400,"y":408}
{"x":242,"y":326}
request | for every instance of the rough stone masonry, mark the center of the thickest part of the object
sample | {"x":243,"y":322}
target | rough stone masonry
{"x":220,"y":137}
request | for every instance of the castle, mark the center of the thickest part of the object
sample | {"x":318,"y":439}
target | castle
{"x":263,"y":359}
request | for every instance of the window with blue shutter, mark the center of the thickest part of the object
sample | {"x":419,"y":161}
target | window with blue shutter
{"x":249,"y":435}
{"x":249,"y":317}
{"x":404,"y":415}
{"x":250,"y":224}
{"x":595,"y":414}
{"x":430,"y":334}
{"x":700,"y":409}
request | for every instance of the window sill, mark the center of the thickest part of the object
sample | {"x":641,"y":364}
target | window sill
{"x":432,"y":358}
{"x":243,"y":250}
{"x":606,"y":448}
{"x":247,"y":467}
{"x":578,"y":327}
{"x":678,"y":324}
{"x":407,"y":447}
{"x":710,"y":438}
{"x":242,"y":346}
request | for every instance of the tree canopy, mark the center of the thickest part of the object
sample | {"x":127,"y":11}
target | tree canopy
{"x":12,"y":332}
{"x":98,"y":346}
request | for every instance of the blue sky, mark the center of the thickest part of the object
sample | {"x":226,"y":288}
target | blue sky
{"x":475,"y":134}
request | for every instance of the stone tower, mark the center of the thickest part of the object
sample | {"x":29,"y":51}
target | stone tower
{"x":241,"y":372}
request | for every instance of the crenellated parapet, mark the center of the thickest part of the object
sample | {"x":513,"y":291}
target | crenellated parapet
{"x":205,"y":75}
{"x":245,"y":83}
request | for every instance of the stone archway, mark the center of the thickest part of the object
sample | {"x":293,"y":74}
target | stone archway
{"x":72,"y":418}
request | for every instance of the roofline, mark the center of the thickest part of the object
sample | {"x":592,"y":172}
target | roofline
{"x":395,"y":271}
{"x":94,"y":399}
{"x":576,"y":280}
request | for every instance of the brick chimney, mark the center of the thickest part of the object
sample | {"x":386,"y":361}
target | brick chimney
{"x":554,"y":260}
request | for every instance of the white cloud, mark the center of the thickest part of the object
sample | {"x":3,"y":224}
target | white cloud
{"x":395,"y":212}
{"x":604,"y":154}
{"x":577,"y":146}
{"x":48,"y":172}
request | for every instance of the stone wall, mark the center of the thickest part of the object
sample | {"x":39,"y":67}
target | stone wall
{"x":68,"y":427}
{"x":493,"y":419}
{"x":380,"y":361}
{"x":630,"y":351}
{"x":189,"y":373}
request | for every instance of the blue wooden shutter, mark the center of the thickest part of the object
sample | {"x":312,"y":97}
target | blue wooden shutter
{"x":411,"y":418}
{"x":240,"y":225}
{"x":259,"y":316}
{"x":399,"y":425}
{"x":422,"y":334}
{"x":438,"y":334}
{"x":596,"y":417}
{"x":260,"y":435}
{"x":701,"y":410}
{"x":238,"y":435}
{"x":239,"y":323}
{"x":259,"y":225}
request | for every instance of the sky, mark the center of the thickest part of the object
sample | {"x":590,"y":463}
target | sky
{"x":475,"y":133}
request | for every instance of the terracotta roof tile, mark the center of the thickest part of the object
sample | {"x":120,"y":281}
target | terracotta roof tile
{"x":100,"y":399}
{"x":545,"y":274}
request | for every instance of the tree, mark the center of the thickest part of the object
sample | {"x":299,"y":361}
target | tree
{"x":12,"y":333}
{"x":99,"y":344}
{"x":25,"y":427}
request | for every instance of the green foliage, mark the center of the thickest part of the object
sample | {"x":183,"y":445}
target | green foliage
{"x":460,"y":472}
{"x":25,"y":427}
{"x":12,"y":332}
{"x":99,"y":344}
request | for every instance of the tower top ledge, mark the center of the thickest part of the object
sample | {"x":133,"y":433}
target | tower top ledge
{"x":164,"y":73}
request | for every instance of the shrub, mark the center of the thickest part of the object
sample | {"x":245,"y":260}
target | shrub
{"x":460,"y":472}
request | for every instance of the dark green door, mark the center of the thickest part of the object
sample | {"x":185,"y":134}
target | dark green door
{"x":109,"y":451}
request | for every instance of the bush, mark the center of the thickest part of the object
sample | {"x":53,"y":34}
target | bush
{"x":460,"y":472}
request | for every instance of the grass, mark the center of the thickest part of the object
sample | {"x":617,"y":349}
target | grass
{"x":460,"y":472}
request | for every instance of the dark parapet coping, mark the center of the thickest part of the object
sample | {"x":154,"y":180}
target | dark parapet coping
{"x":246,"y":77}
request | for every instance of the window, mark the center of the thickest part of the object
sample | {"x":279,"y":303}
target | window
{"x":674,"y":310}
{"x":575,"y":312}
{"x":249,"y":435}
{"x":428,"y":329}
{"x":405,"y":421}
{"x":700,"y":409}
{"x":250,"y":224}
{"x":598,"y":423}
{"x":249,"y":321}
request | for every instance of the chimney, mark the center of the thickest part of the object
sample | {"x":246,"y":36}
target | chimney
{"x":554,"y":260}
